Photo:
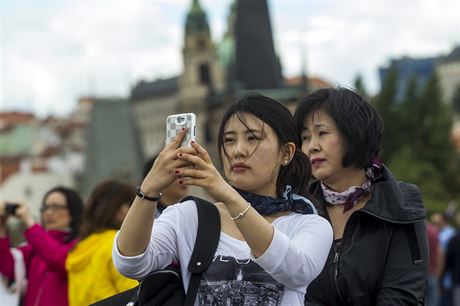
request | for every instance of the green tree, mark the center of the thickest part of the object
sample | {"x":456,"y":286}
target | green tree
{"x":359,"y":85}
{"x":408,"y":111}
{"x":456,"y":101}
{"x":408,"y":167}
{"x":386,"y":104}
{"x":424,"y":154}
{"x":435,"y":124}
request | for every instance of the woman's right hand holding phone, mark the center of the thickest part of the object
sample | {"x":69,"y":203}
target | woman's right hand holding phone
{"x":138,"y":222}
{"x":161,"y":175}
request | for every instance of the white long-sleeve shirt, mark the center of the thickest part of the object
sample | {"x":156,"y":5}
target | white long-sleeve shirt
{"x":280,"y":276}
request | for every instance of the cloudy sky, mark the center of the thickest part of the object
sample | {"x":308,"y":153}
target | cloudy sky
{"x":52,"y":52}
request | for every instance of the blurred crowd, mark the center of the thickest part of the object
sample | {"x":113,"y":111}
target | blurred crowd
{"x":443,"y":231}
{"x":66,"y":256}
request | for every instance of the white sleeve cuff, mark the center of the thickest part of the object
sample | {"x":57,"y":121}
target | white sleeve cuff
{"x":129,"y":266}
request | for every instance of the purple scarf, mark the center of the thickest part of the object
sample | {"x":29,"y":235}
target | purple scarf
{"x":352,"y":195}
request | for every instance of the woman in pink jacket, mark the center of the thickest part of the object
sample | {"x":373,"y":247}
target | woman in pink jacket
{"x":47,"y":245}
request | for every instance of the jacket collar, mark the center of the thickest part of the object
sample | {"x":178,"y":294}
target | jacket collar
{"x":393,"y":201}
{"x":59,"y":235}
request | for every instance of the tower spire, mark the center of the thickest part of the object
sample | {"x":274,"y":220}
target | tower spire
{"x":201,"y":73}
{"x":256,"y":63}
{"x":197,"y":21}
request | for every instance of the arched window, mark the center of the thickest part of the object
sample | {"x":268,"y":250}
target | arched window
{"x":205,"y":75}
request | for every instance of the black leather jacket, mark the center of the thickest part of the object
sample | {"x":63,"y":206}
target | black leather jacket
{"x":382,"y":258}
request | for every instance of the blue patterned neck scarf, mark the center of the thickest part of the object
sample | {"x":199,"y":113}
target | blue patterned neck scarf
{"x":288,"y":201}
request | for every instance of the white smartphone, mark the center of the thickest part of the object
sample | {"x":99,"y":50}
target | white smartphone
{"x":176,"y":122}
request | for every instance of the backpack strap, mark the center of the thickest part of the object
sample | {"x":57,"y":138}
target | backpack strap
{"x":411,"y":235}
{"x":206,"y":242}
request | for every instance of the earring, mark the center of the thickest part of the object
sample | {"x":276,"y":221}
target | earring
{"x":285,"y":162}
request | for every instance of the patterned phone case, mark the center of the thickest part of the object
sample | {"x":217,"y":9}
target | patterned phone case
{"x":175,"y":123}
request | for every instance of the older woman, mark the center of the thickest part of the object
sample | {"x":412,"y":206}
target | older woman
{"x":379,"y":255}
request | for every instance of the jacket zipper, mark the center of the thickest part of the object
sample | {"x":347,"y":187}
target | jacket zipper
{"x":337,"y":248}
{"x":336,"y":271}
{"x":40,"y":293}
{"x":39,"y":297}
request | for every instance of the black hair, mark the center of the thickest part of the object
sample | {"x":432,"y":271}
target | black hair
{"x":74,"y":206}
{"x":356,"y":119}
{"x":148,"y":165}
{"x":103,"y":204}
{"x":297,"y":173}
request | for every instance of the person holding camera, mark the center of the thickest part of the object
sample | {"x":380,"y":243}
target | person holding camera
{"x":47,"y":246}
{"x":379,"y":255}
{"x":268,"y":224}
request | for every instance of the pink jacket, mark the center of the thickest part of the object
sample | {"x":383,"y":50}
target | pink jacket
{"x":44,"y":258}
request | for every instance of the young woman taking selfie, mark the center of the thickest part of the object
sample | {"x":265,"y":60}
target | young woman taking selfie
{"x":272,"y":242}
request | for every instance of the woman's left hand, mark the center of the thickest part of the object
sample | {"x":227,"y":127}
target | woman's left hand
{"x":202,"y":172}
{"x":24,"y":214}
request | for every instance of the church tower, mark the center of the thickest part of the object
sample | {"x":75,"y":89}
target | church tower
{"x":256,"y":64}
{"x":202,"y":73}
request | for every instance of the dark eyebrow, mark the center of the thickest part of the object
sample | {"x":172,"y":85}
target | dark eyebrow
{"x":318,"y":125}
{"x":252,"y":131}
{"x":248,"y":131}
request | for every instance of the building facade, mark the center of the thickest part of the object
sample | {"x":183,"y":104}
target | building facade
{"x":214,"y":75}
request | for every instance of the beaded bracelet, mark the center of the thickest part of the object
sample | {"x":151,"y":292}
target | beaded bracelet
{"x":241,"y":214}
